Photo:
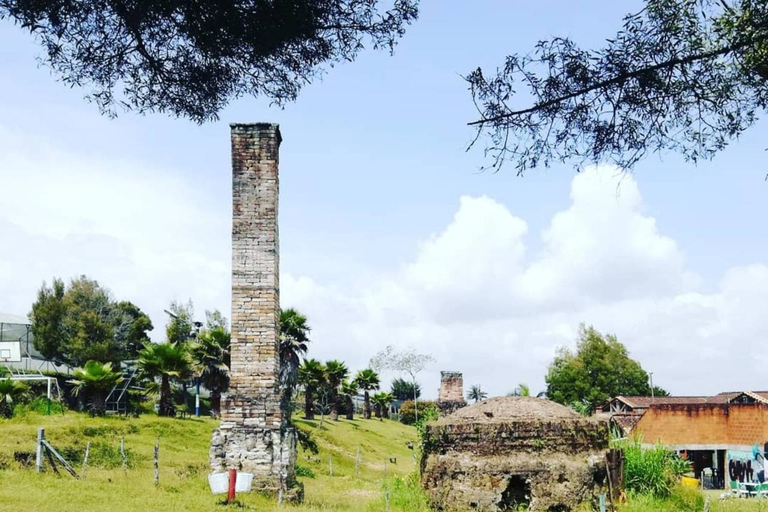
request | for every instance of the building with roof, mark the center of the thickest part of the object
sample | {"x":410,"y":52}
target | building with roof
{"x":725,"y":436}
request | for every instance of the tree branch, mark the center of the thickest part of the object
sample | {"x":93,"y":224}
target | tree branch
{"x":623,"y":77}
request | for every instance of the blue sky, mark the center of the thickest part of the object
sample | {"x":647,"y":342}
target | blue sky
{"x":376,"y":240}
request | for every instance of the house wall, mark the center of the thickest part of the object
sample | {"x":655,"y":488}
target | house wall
{"x":705,"y":424}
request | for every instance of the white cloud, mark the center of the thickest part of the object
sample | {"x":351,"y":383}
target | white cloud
{"x":140,"y":230}
{"x":475,"y":300}
{"x":474,"y":296}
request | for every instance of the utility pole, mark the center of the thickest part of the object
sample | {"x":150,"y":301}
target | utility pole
{"x":650,"y":374}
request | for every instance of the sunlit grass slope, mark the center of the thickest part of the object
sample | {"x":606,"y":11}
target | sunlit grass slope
{"x":184,"y":466}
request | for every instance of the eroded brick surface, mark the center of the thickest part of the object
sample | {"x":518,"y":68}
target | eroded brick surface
{"x":254,"y":435}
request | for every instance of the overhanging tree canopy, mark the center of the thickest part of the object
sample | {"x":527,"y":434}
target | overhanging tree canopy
{"x":686,"y":76}
{"x":189,"y":58}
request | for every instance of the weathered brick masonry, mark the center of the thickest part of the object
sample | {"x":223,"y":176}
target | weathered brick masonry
{"x":514,"y":453}
{"x":705,"y":424}
{"x":254,"y":435}
{"x":451,"y":395}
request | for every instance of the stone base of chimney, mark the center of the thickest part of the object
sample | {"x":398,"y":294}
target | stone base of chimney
{"x":269,"y":454}
{"x":447,"y":407}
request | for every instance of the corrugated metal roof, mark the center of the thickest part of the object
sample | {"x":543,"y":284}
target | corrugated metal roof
{"x":7,"y":318}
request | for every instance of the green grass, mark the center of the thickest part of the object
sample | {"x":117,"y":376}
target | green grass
{"x":184,"y":466}
{"x":692,"y":500}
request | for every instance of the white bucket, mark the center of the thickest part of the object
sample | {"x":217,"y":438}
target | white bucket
{"x":219,"y":482}
{"x":243,"y":483}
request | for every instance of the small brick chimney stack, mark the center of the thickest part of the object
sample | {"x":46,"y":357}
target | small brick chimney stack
{"x":451,"y":395}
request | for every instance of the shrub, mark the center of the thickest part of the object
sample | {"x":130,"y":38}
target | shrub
{"x":408,"y":411}
{"x":304,"y":471}
{"x":40,"y":405}
{"x":654,"y":471}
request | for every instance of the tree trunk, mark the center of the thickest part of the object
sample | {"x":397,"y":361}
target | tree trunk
{"x":309,"y":405}
{"x":166,"y":399}
{"x":216,"y":404}
{"x":335,"y":407}
{"x":98,"y":405}
{"x":378,"y":411}
{"x":385,"y":411}
{"x":349,"y":405}
{"x":367,"y":406}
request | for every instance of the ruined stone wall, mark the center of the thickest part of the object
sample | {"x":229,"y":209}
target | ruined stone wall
{"x":539,"y":465}
{"x":254,"y":435}
{"x":569,"y":436}
{"x":451,"y":395}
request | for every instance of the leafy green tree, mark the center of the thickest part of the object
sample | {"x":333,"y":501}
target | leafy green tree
{"x":408,"y":411}
{"x":476,"y":393}
{"x":131,"y":325}
{"x":348,"y":391}
{"x":82,"y":322}
{"x":599,"y":369}
{"x":95,"y":379}
{"x":680,"y":75}
{"x":47,"y":317}
{"x":311,"y":377}
{"x":89,"y":335}
{"x":11,"y":393}
{"x":335,"y":373}
{"x":211,"y":357}
{"x":381,"y":403}
{"x":294,"y":337}
{"x":166,"y":361}
{"x":181,"y":327}
{"x":189,"y":58}
{"x":401,"y":389}
{"x":367,"y":380}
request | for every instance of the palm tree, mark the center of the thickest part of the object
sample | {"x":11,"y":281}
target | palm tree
{"x":381,"y":402}
{"x":11,"y":393}
{"x":96,"y":380}
{"x":367,"y":380}
{"x":348,"y":390}
{"x":311,"y":376}
{"x":167,"y":361}
{"x":211,"y":356}
{"x":335,"y":373}
{"x":294,"y":336}
{"x":404,"y":390}
{"x":476,"y":394}
{"x":521,"y":390}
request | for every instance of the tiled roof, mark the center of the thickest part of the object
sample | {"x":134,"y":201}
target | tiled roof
{"x":626,"y":422}
{"x":643,"y":402}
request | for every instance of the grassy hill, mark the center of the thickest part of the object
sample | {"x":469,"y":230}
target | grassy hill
{"x":184,"y":466}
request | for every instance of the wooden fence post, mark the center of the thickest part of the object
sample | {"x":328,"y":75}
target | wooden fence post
{"x":122,"y":454}
{"x":39,"y":452}
{"x":85,"y":457}
{"x":157,"y":462}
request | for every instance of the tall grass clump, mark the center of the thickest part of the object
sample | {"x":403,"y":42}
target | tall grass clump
{"x":654,"y":471}
{"x":405,"y":493}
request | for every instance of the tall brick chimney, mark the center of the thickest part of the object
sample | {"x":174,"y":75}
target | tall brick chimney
{"x":255,"y":435}
{"x":451,"y":395}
